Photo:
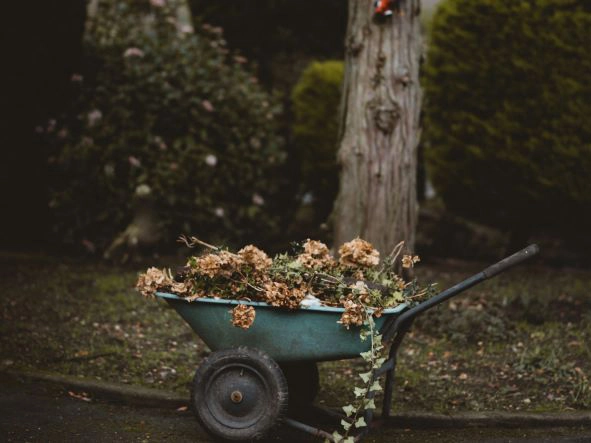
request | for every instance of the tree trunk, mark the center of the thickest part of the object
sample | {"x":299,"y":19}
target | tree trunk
{"x":380,"y":127}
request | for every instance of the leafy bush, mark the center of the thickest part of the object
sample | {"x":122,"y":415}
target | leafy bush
{"x":506,"y":118}
{"x":169,"y":114}
{"x":316,"y":99}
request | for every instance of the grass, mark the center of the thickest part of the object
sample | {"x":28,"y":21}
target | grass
{"x":518,"y":342}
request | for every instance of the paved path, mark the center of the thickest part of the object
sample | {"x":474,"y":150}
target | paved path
{"x":42,"y":412}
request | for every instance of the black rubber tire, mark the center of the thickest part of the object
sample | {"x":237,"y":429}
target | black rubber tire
{"x":239,"y":394}
{"x":303,"y":382}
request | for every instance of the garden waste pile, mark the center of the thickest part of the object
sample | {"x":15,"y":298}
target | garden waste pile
{"x":359,"y":281}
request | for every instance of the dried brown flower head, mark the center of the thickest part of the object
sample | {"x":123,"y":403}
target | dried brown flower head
{"x":221,"y":264}
{"x":243,"y":316}
{"x":358,"y":252}
{"x":181,"y":288}
{"x":408,"y":261}
{"x":315,"y":255}
{"x":255,"y":258}
{"x":279,"y":294}
{"x":354,"y":314}
{"x":153,"y":280}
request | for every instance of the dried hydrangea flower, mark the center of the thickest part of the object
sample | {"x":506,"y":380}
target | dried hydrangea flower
{"x":354,"y":314}
{"x":181,"y":288}
{"x":408,"y":261}
{"x":255,"y":258}
{"x":316,"y":255}
{"x":221,"y":264}
{"x":243,"y":316}
{"x":279,"y":294}
{"x":153,"y":280}
{"x":358,"y":252}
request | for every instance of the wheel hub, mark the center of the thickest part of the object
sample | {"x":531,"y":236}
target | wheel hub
{"x":236,"y":396}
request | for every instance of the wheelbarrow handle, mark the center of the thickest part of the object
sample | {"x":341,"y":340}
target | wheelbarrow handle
{"x":510,"y":261}
{"x":390,"y":328}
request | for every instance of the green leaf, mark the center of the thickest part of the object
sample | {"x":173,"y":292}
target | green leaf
{"x":294,"y":264}
{"x":377,"y":339}
{"x":359,"y":392}
{"x":365,"y":376}
{"x":337,"y":436}
{"x":349,"y":410}
{"x":348,"y":440}
{"x":360,"y":423}
{"x":369,"y":404}
{"x":380,"y":361}
{"x":375,"y":386}
{"x":396,"y":297}
{"x":345,"y":424}
{"x":366,"y":355}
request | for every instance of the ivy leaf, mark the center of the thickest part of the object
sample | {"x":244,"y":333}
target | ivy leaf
{"x":375,"y":386}
{"x":360,"y":422}
{"x":337,"y":436}
{"x":370,"y":404}
{"x":346,"y":425}
{"x":349,"y":409}
{"x":377,"y":339}
{"x":348,"y":440}
{"x":366,"y":355}
{"x":359,"y":392}
{"x":363,"y":334}
{"x":365,"y":376}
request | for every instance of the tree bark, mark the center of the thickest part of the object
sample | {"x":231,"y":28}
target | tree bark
{"x":380,"y":127}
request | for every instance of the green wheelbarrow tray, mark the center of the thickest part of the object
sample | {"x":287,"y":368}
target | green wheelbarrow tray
{"x":305,"y":334}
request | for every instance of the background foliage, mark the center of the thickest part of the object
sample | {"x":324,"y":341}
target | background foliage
{"x":316,"y":99}
{"x":508,"y":98}
{"x":169,"y":117}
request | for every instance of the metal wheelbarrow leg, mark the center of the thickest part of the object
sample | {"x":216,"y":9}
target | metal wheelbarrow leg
{"x":398,"y":327}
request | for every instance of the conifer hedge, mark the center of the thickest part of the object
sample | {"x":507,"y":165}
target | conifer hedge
{"x":508,"y":106}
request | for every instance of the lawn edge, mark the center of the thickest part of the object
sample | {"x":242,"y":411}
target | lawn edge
{"x":156,"y":398}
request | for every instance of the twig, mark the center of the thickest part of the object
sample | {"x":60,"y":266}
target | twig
{"x":396,"y":251}
{"x":191,"y":242}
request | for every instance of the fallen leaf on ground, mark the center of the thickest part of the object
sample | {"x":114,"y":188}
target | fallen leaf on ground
{"x":82,"y":396}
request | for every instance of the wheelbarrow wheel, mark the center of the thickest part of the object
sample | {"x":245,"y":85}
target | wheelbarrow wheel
{"x":239,"y":394}
{"x":303,"y":382}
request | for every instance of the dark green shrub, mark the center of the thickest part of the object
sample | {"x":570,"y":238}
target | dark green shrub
{"x":316,"y":99}
{"x":508,"y":99}
{"x":169,"y":114}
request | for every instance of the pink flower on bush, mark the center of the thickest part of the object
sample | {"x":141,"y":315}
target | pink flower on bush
{"x":258,"y":200}
{"x":133,"y":52}
{"x":134,"y":161}
{"x":94,"y":116}
{"x":51,"y":125}
{"x":211,"y":160}
{"x":207,"y":106}
{"x":76,"y":78}
{"x":158,"y":3}
{"x":186,"y":29}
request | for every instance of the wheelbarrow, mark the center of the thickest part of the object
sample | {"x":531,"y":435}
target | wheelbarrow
{"x":242,"y":390}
